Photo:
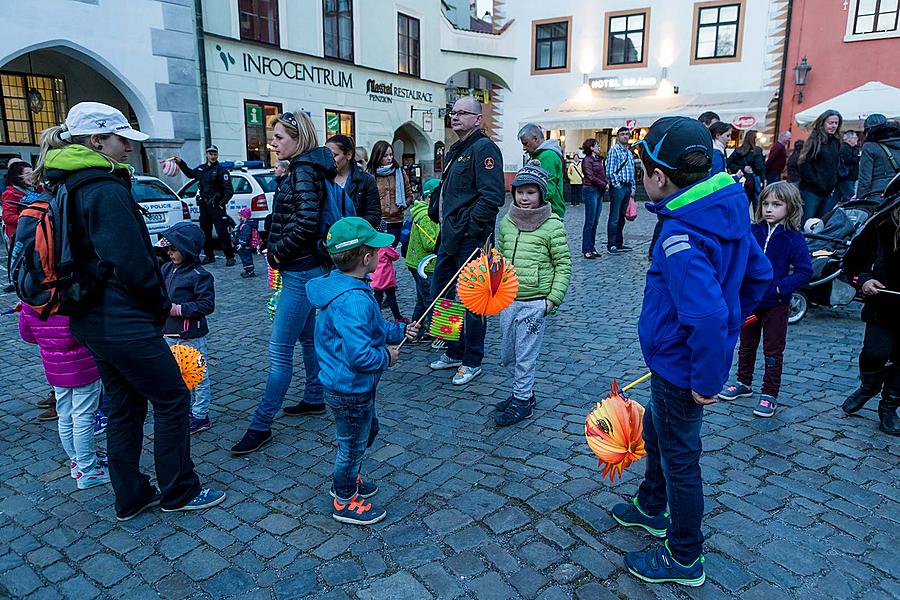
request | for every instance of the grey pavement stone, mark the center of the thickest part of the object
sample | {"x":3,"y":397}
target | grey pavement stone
{"x":106,"y":569}
{"x":398,"y":585}
{"x":491,"y":587}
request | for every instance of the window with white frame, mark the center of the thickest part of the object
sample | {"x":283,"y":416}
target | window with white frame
{"x":875,"y":16}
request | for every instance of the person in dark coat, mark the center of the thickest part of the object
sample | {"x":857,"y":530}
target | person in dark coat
{"x":747,"y":161}
{"x":466,"y":204}
{"x":214,"y":190}
{"x":777,"y":158}
{"x":358,"y":184}
{"x":848,"y":169}
{"x":791,"y":170}
{"x":873,"y":264}
{"x":122,"y":310}
{"x":818,"y":164}
{"x":296,"y":248}
{"x":879,"y":158}
{"x":594,"y":186}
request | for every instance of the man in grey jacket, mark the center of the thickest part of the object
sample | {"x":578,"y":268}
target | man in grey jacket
{"x":879,"y":159}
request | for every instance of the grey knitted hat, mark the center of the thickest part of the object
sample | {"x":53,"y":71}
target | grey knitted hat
{"x":533,"y":174}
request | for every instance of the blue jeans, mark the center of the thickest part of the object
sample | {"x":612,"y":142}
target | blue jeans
{"x":672,"y":422}
{"x":618,"y":202}
{"x":295,"y":320}
{"x":355,"y":427}
{"x":201,"y":396}
{"x":470,"y":346}
{"x":593,"y":206}
{"x":813,"y":205}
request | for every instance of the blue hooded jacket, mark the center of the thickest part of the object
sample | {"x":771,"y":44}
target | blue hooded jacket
{"x":351,"y":334}
{"x":788,"y":254}
{"x":708,"y":274}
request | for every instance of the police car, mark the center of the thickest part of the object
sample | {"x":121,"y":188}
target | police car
{"x":254,"y":187}
{"x":161,"y":206}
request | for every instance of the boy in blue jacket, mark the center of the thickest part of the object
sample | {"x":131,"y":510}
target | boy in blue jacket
{"x":707,"y":274}
{"x":351,"y":344}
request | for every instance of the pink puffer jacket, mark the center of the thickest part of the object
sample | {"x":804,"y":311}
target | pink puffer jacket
{"x":66,"y":362}
{"x":385,"y":277}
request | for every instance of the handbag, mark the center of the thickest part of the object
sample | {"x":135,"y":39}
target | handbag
{"x":631,"y":210}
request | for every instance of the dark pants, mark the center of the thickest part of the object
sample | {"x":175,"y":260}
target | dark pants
{"x":672,"y":423}
{"x":134,"y":372}
{"x":813,"y":205}
{"x":423,"y":294}
{"x":391,"y":295}
{"x":355,"y":427}
{"x":771,"y":324}
{"x":593,"y":206}
{"x":618,"y":202}
{"x":395,"y":229}
{"x":842,"y":192}
{"x":881,"y":345}
{"x":773,"y":178}
{"x":470,"y":346}
{"x":575,"y":193}
{"x":215,"y":217}
{"x":246,"y":256}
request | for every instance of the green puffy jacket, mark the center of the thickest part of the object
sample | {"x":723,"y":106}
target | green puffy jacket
{"x":541,"y":258}
{"x":422,"y":236}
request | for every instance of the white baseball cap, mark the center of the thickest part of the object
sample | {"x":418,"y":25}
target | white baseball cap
{"x":89,"y":118}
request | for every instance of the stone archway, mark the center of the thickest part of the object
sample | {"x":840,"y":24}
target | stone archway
{"x":410,"y":139}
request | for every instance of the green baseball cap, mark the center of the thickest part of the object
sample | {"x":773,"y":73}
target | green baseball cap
{"x":353,"y":232}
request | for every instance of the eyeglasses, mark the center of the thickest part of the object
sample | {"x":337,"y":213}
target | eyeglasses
{"x":460,"y":113}
{"x":289,"y":117}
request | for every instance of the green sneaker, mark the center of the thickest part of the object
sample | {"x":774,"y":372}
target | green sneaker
{"x":630,"y":514}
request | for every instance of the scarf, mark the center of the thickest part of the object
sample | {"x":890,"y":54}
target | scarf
{"x":529,"y":219}
{"x":399,"y":188}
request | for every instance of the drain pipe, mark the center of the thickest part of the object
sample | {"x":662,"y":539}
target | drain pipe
{"x":201,"y":63}
{"x":784,"y":70}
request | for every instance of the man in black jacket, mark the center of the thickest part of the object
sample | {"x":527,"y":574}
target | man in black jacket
{"x":213,"y":193}
{"x":466,"y":204}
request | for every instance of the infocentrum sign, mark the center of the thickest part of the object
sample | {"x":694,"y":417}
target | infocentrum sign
{"x":298,"y":71}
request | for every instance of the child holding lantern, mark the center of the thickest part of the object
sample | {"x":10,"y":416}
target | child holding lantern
{"x":533,"y":239}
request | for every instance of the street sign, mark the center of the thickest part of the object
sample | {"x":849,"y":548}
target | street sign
{"x":426,"y":122}
{"x":744,"y":122}
{"x":253,"y":114}
{"x":631,"y":123}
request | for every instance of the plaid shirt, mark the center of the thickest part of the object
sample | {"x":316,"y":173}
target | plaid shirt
{"x":620,"y":167}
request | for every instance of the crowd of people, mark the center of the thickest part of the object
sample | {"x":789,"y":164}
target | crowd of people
{"x":716,"y":280}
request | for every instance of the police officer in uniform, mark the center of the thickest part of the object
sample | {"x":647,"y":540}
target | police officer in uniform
{"x":213,"y":194}
{"x":466,"y":204}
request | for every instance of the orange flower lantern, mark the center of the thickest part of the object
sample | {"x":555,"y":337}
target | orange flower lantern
{"x":191,"y":363}
{"x":614,"y":432}
{"x":487,"y":284}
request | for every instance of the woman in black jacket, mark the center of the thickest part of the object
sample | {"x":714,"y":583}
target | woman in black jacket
{"x":748,"y":161}
{"x":358,"y":184}
{"x":295,"y":249}
{"x":122,"y":308}
{"x":818,"y":164}
{"x":880,"y":155}
{"x":873,"y":264}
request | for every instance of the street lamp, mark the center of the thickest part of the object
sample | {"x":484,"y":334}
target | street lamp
{"x":801,"y":73}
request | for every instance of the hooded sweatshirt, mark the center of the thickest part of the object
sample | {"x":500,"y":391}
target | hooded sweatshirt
{"x":189,"y":285}
{"x":550,"y":155}
{"x":351,"y":334}
{"x":422,"y":236}
{"x":125,"y":295}
{"x":708,"y":274}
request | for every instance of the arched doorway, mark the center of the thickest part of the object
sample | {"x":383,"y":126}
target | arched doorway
{"x":484,"y":86}
{"x":39,"y":85}
{"x":413,"y":147}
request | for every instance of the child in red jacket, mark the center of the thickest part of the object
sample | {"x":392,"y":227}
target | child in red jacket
{"x":384,"y":282}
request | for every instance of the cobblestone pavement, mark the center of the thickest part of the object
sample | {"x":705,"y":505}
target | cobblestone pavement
{"x":804,"y":505}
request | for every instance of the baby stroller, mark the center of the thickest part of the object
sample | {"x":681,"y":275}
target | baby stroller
{"x":828,"y":241}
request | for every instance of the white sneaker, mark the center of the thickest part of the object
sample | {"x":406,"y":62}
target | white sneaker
{"x":445,"y":362}
{"x":438,"y":344}
{"x":94,"y":478}
{"x":73,"y":469}
{"x":465,"y":375}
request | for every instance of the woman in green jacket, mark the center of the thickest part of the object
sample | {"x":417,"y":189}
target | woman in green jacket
{"x":533,"y":238}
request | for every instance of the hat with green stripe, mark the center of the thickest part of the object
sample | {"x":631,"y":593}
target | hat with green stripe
{"x":353,"y":232}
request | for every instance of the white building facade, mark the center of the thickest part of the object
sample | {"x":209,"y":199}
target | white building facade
{"x":139,"y":56}
{"x":587,"y":68}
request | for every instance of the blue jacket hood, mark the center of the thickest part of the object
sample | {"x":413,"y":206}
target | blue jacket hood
{"x":322,"y":291}
{"x":716,"y":206}
{"x":188,"y":238}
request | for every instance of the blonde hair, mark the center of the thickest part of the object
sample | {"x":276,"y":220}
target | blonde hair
{"x":51,"y":139}
{"x":790,"y":195}
{"x":304,"y":132}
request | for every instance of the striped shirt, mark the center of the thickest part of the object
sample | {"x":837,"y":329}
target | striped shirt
{"x":620,"y":166}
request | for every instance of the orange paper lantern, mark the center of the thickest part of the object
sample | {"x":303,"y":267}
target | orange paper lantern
{"x":487,"y":284}
{"x":191,"y":363}
{"x":614,"y":431}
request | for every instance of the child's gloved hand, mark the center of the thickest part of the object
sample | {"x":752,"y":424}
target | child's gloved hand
{"x":394,"y":353}
{"x":412,"y":331}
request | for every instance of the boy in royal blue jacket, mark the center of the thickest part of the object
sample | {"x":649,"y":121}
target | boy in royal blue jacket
{"x":351,"y":344}
{"x":707,"y":274}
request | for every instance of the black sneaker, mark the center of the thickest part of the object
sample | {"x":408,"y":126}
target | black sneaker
{"x":612,"y":250}
{"x":625,"y":248}
{"x":208,"y":260}
{"x":304,"y":409}
{"x":630,"y":514}
{"x":9,"y":288}
{"x":363,"y":490}
{"x":246,"y":274}
{"x":251,"y":442}
{"x":504,"y":404}
{"x":153,"y":501}
{"x":516,"y":412}
{"x":229,"y":262}
{"x":356,"y":511}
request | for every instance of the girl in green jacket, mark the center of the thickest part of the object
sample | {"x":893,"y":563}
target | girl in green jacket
{"x":533,"y":238}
